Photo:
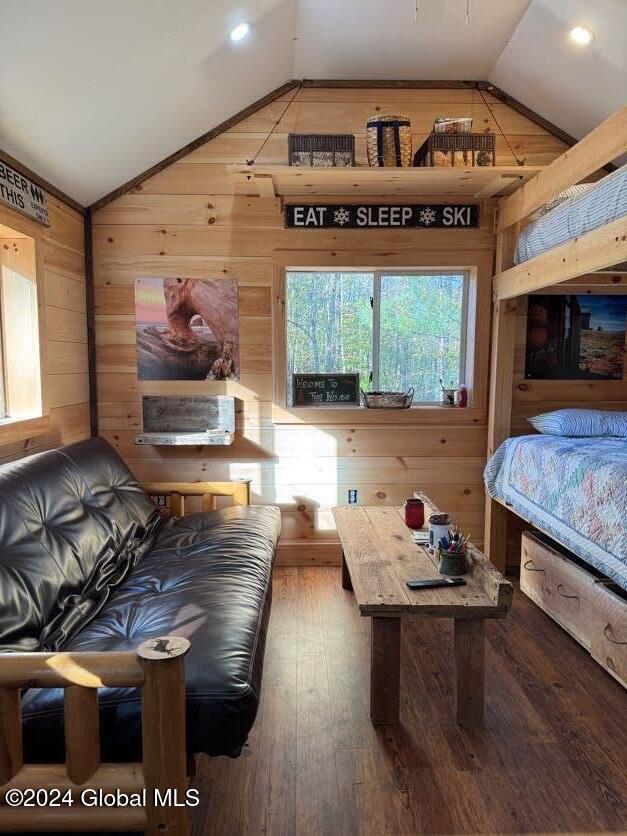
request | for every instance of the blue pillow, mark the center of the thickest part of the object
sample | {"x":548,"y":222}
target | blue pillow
{"x":581,"y":423}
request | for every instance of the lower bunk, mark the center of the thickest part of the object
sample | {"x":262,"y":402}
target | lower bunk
{"x":573,"y":490}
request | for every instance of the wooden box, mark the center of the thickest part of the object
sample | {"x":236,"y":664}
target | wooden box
{"x":194,"y":421}
{"x":588,"y":606}
{"x":193,"y":414}
{"x":457,"y":150}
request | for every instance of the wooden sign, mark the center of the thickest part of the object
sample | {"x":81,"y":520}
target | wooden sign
{"x":325,"y":390}
{"x":192,"y":414}
{"x":20,"y":193}
{"x":382,"y":216}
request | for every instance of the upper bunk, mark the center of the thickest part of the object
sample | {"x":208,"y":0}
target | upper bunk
{"x":601,"y":211}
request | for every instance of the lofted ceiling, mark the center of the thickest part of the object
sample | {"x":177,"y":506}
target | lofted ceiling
{"x":91,"y":94}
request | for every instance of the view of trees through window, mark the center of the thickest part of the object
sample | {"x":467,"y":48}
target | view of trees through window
{"x":398,"y":330}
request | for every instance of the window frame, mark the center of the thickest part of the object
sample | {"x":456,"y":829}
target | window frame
{"x":377,"y":274}
{"x":22,"y":427}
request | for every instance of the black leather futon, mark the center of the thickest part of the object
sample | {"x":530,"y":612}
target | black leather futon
{"x":86,"y":563}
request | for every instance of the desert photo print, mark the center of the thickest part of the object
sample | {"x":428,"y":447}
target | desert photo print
{"x":576,"y":337}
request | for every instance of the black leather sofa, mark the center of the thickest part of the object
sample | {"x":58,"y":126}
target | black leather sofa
{"x":86,"y":563}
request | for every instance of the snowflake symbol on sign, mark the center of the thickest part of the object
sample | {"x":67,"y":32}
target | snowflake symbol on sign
{"x":341,"y":216}
{"x":427,"y":216}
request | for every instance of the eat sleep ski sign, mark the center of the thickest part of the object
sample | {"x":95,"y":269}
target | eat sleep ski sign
{"x":382,"y":216}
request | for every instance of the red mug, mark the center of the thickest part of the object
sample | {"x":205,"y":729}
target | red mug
{"x":414,"y":513}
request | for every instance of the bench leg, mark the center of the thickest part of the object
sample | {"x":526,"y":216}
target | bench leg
{"x":385,"y":670}
{"x":470,"y":670}
{"x":346,"y":578}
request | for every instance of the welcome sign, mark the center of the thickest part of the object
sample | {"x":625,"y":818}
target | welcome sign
{"x":20,"y":193}
{"x":382,"y":216}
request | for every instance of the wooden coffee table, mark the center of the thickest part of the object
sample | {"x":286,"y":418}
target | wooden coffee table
{"x":378,"y":556}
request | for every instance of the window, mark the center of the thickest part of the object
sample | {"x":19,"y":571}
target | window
{"x":398,"y":329}
{"x":20,"y":369}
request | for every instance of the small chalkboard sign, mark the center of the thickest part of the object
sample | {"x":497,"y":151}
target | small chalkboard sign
{"x":325,"y":389}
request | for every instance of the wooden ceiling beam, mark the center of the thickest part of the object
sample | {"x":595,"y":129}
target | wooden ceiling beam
{"x":39,"y":181}
{"x":194,"y":144}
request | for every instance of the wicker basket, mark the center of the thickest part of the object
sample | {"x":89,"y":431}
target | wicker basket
{"x":388,"y":141}
{"x":461,"y":150}
{"x":321,"y":150}
{"x":388,"y":400}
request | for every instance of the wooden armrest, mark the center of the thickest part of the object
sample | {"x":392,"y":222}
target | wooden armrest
{"x":157,"y":667}
{"x":177,"y":491}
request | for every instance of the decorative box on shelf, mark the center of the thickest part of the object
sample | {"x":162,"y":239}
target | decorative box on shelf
{"x":321,"y":150}
{"x":457,"y":150}
{"x":197,"y":420}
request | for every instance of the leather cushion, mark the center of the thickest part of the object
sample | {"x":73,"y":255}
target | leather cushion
{"x":207,"y":578}
{"x":67,"y":518}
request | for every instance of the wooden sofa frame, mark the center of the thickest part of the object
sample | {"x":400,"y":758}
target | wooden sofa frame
{"x":157,"y":667}
{"x":591,"y":252}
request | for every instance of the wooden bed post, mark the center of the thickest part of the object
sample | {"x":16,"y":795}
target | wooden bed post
{"x":500,"y":406}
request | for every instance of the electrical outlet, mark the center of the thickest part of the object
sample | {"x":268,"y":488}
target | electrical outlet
{"x":352,"y":497}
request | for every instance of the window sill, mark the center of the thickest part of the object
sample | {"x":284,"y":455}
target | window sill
{"x":21,"y":429}
{"x":415,"y":415}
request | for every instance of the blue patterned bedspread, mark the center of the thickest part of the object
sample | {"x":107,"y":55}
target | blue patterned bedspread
{"x":574,"y":489}
{"x":605,"y":202}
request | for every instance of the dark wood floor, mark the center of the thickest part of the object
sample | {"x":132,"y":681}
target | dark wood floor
{"x":551,"y":758}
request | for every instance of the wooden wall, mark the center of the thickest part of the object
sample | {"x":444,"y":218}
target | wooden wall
{"x":62,"y":263}
{"x":185,"y":221}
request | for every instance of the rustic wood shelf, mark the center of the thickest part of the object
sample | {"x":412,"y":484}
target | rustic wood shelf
{"x":285,"y":181}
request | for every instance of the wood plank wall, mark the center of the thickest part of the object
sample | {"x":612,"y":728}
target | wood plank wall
{"x":185,"y":221}
{"x":67,"y":380}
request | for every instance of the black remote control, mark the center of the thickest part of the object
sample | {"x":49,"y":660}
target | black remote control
{"x":435,"y":583}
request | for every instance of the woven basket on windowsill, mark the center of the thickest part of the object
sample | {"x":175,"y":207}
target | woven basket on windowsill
{"x":388,"y":400}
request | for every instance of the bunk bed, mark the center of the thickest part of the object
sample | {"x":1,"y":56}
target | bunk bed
{"x":577,"y":579}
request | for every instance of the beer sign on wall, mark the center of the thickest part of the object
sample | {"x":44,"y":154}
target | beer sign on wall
{"x":20,"y":193}
{"x":382,"y":216}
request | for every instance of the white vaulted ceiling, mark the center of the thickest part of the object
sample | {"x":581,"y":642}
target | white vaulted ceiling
{"x":93,"y":93}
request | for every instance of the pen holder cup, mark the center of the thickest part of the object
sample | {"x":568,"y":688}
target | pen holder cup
{"x":451,"y":563}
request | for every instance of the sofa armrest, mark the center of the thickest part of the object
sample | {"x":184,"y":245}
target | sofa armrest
{"x":178,"y":491}
{"x":157,"y":667}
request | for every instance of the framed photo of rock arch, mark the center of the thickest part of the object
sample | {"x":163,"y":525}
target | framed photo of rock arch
{"x":187,"y":329}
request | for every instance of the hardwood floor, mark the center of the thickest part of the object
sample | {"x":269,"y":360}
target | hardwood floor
{"x":551,"y":757}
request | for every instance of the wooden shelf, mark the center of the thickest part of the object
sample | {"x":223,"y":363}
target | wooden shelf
{"x":286,"y":181}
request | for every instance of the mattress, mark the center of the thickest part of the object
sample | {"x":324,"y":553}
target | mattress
{"x":574,"y":489}
{"x":604,"y":202}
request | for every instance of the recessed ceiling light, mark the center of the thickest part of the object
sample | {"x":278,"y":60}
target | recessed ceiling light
{"x":581,"y":35}
{"x":240,"y":32}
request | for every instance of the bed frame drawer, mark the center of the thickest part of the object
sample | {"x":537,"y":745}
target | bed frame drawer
{"x":561,"y":588}
{"x":608,"y":631}
{"x":584,"y":605}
